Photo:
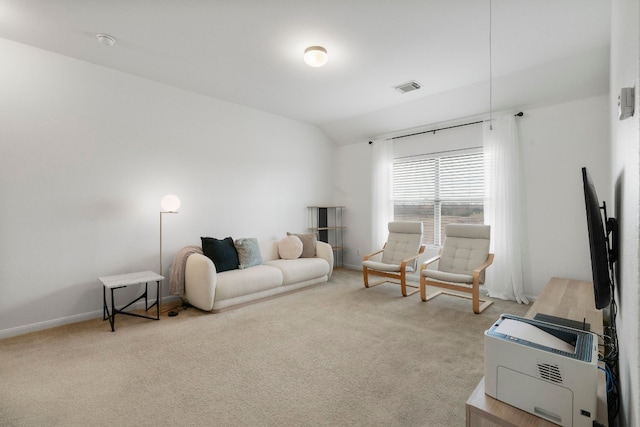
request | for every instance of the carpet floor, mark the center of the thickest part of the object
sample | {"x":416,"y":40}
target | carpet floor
{"x":333,"y":355}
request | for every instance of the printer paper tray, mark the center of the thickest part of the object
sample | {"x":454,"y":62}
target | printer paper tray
{"x":546,"y":400}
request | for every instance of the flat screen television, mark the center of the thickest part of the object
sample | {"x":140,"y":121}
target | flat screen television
{"x":602,"y":254}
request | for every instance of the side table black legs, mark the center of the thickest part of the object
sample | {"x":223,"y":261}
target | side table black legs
{"x":122,"y":281}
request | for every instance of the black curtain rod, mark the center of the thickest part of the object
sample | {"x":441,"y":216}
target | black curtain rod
{"x":520,"y":114}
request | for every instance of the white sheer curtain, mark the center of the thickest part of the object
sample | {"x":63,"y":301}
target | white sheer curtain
{"x":503,"y":208}
{"x":381,"y":203}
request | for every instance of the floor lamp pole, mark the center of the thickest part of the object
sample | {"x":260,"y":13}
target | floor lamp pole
{"x":160,"y":273}
{"x":169,"y":204}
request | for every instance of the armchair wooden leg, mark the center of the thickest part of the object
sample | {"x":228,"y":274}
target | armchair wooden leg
{"x":365,"y":277}
{"x":483,"y":306}
{"x":474,"y":297}
{"x":403,"y":285}
{"x":403,"y":288}
{"x":477,"y":307}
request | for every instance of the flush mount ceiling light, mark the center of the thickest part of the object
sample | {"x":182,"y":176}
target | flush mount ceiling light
{"x":106,"y":39}
{"x":315,"y":56}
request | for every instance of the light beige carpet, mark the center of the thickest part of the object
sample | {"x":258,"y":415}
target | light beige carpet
{"x":333,"y":355}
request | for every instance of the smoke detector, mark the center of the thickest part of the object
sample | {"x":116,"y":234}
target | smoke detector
{"x":408,"y":86}
{"x":106,"y":39}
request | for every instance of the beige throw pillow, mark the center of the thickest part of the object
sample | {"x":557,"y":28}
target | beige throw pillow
{"x":308,"y":244}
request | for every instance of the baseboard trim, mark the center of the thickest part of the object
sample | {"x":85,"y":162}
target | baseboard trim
{"x":47,"y":324}
{"x":53,"y":323}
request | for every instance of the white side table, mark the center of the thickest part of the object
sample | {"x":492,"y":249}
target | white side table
{"x":123,"y":280}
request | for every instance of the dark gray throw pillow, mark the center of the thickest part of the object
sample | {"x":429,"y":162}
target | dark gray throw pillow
{"x":222,"y":252}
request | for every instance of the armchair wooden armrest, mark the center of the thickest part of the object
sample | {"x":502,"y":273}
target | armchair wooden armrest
{"x":429,"y":261}
{"x":366,"y":257}
{"x":404,"y":263}
{"x":481,"y":268}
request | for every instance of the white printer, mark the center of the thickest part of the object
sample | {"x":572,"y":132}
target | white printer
{"x":548,"y":370}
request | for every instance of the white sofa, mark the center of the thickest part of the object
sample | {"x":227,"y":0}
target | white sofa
{"x":209,"y":290}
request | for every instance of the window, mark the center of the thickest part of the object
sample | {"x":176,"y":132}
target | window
{"x":439,"y":189}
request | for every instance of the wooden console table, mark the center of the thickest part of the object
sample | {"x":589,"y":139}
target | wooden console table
{"x":566,"y":298}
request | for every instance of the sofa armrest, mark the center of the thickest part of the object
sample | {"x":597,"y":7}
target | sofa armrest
{"x":325,"y":251}
{"x":200,"y":281}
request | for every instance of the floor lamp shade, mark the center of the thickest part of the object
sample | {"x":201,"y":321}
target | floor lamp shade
{"x":170,"y":203}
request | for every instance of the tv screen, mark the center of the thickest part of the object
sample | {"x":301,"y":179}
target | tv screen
{"x":598,"y":244}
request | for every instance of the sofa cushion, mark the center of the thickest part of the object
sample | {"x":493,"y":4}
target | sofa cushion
{"x":222,"y":252}
{"x":235,"y":283}
{"x":290,"y":247}
{"x":248,"y":252}
{"x":308,"y":244}
{"x":301,"y":269}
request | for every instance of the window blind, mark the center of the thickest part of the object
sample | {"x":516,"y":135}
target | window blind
{"x":439,"y":190}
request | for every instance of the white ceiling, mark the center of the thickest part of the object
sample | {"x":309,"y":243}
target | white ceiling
{"x":250,"y":52}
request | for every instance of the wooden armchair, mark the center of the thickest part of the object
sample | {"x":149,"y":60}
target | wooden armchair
{"x":462,"y":262}
{"x":399,"y":256}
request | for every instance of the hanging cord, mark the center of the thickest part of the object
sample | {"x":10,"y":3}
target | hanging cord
{"x":611,"y":357}
{"x":490,"y":70}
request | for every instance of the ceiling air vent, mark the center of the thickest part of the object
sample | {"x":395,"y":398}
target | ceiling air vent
{"x":407,"y":87}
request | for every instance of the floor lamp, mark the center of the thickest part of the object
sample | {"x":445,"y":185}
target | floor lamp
{"x":169,"y":205}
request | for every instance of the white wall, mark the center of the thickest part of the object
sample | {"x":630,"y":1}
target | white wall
{"x":354,"y":192}
{"x":556,"y":142}
{"x":625,"y":180}
{"x":87,"y":154}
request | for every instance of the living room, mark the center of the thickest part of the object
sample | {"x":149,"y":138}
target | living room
{"x":89,"y":151}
